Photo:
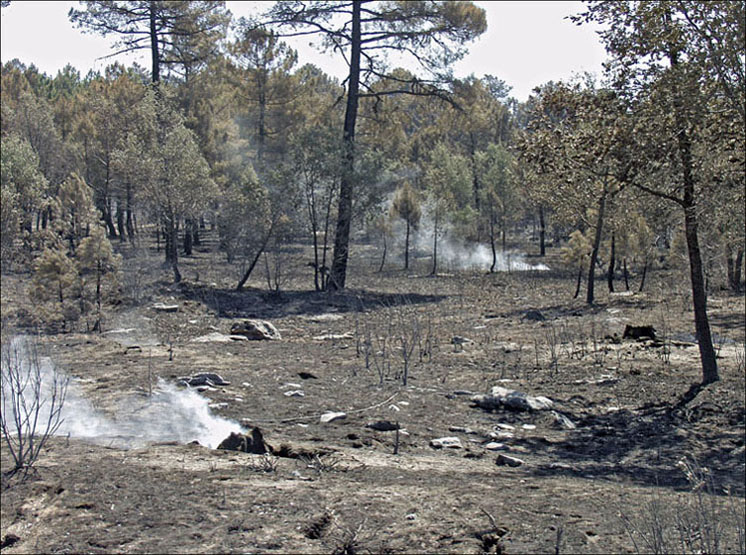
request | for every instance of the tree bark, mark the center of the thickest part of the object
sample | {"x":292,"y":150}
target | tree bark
{"x":596,"y":243}
{"x":612,"y":263}
{"x":155,"y":56}
{"x":577,"y":284}
{"x":338,"y":273}
{"x":434,"y":271}
{"x":256,"y":257}
{"x":406,"y":248}
{"x":644,"y":274}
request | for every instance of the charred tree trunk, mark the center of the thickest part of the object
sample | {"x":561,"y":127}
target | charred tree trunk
{"x":262,"y":247}
{"x":644,"y":274}
{"x":612,"y":264}
{"x":406,"y":247}
{"x":626,"y":274}
{"x":188,"y":225}
{"x":577,"y":284}
{"x":338,"y":273}
{"x":596,"y":243}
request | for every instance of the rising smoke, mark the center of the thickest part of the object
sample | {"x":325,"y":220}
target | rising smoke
{"x":169,"y":414}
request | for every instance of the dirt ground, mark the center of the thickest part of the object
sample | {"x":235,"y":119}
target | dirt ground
{"x":593,"y":488}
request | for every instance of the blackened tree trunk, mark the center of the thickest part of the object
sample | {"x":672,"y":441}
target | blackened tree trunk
{"x":406,"y":247}
{"x":612,"y":264}
{"x":596,"y":242}
{"x":338,"y":273}
{"x":577,"y":284}
{"x":155,"y":55}
{"x":644,"y":274}
{"x":188,"y":225}
{"x":626,"y":274}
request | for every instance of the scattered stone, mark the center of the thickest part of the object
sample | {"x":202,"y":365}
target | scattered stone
{"x":294,"y":393}
{"x":534,"y":316}
{"x":503,"y":426}
{"x":462,"y":392}
{"x":562,"y":421}
{"x":394,"y":408}
{"x":505,"y":460}
{"x":307,"y":376}
{"x":638,"y":332}
{"x":501,"y":397}
{"x":160,"y":307}
{"x":334,"y":336}
{"x":446,"y":443}
{"x":248,"y":444}
{"x":238,"y":338}
{"x":214,"y":337}
{"x":501,"y":435}
{"x":291,"y":384}
{"x":328,"y":417}
{"x":255,"y":330}
{"x":383,"y":426}
{"x":460,"y":430}
{"x":528,"y":427}
{"x":458,"y":342}
{"x":209,"y":379}
{"x":495,"y":446}
{"x":320,"y":318}
{"x":411,"y":516}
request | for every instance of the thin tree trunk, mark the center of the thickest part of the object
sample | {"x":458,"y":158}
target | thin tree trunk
{"x":626,"y":274}
{"x":435,"y":246}
{"x":612,"y":263}
{"x":406,"y":248}
{"x":383,"y":256}
{"x":155,"y":56}
{"x":596,"y":243}
{"x":644,"y":274}
{"x":737,"y":271}
{"x":188,"y":237}
{"x":338,"y":273}
{"x":256,"y":257}
{"x":577,"y":284}
{"x":492,"y":246}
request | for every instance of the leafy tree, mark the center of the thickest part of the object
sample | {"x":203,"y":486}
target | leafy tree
{"x":406,"y":206}
{"x":22,"y":185}
{"x":433,"y":33}
{"x":499,"y":197}
{"x":164,"y":28}
{"x":448,"y":183}
{"x":95,"y":255}
{"x":670,"y":60}
{"x":576,"y":138}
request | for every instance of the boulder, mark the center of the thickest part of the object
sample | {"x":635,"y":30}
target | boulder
{"x":246,"y":443}
{"x":501,"y":397}
{"x":446,"y":443}
{"x":255,"y":330}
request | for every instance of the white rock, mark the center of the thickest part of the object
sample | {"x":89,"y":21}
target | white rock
{"x":528,"y":427}
{"x":494,"y":446}
{"x":290,"y":384}
{"x":331,"y":417}
{"x":294,"y":393}
{"x":504,"y":426}
{"x":505,"y":460}
{"x":411,"y":516}
{"x":160,"y":307}
{"x":446,"y":442}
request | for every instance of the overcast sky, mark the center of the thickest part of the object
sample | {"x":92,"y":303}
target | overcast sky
{"x":526,"y":43}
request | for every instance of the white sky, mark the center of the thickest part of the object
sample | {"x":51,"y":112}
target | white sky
{"x":526,"y":43}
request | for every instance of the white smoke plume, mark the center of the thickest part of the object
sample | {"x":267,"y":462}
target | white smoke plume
{"x":453,"y":253}
{"x":170,"y":414}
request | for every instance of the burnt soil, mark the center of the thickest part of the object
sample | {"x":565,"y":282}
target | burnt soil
{"x":348,"y":491}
